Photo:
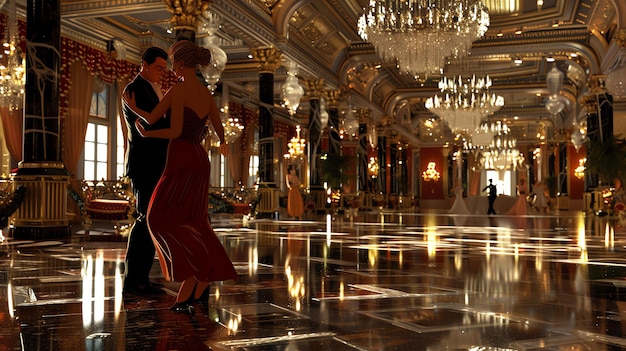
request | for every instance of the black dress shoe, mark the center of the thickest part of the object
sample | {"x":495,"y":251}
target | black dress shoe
{"x":143,"y":290}
{"x":182,"y":307}
{"x":156,"y":285}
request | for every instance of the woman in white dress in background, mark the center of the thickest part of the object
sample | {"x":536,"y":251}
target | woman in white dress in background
{"x":458,"y":207}
{"x":520,"y":208}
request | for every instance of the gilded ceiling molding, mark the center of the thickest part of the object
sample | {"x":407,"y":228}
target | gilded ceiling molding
{"x":580,"y":35}
{"x":269,"y":58}
{"x":620,"y":7}
{"x":256,"y":30}
{"x":282,"y":17}
{"x":82,"y":9}
{"x":251,"y":24}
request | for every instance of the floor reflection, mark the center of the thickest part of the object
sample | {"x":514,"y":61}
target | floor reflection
{"x":368,"y":281}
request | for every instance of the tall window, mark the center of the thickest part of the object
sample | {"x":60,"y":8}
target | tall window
{"x":503,"y":185}
{"x":119,"y":146}
{"x":104,"y":141}
{"x":253,"y":170}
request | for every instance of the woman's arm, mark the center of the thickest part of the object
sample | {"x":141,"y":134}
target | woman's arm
{"x":172,"y":101}
{"x":158,"y":112}
{"x":216,"y":122}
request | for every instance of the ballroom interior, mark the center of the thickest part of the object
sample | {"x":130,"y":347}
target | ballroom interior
{"x":395,"y":115}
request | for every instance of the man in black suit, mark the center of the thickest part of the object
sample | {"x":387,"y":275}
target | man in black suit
{"x":492,"y":196}
{"x":145,"y":161}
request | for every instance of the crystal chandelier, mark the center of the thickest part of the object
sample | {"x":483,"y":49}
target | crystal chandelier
{"x":232,"y":127}
{"x":12,"y":65}
{"x":554,"y":79}
{"x":213,"y":71}
{"x":502,"y":154}
{"x":350,"y":124}
{"x":296,"y":146}
{"x":463,"y":103}
{"x":420,"y":34}
{"x":292,"y":90}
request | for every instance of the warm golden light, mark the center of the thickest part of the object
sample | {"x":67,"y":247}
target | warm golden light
{"x":296,"y":146}
{"x":431,"y":174}
{"x":579,"y":172}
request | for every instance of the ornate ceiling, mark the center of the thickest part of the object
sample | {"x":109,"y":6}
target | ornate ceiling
{"x":322,"y":37}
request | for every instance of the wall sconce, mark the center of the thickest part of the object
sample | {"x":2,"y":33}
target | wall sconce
{"x":372,"y":167}
{"x":431,"y":174}
{"x":579,"y":172}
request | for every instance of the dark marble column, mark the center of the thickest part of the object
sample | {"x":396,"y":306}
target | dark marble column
{"x":362,"y":160}
{"x":599,"y":106}
{"x":382,"y":163}
{"x":315,"y":93}
{"x":333,"y":98}
{"x":269,"y":61}
{"x":42,"y":173}
{"x":393,"y":169}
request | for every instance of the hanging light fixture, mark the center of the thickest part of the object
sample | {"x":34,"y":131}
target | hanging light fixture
{"x":421,"y":34}
{"x":323,"y":114}
{"x":213,"y":71}
{"x":502,"y":153}
{"x":296,"y":146}
{"x":292,"y":90}
{"x":554,"y":79}
{"x":12,"y":65}
{"x":372,"y":135}
{"x":463,"y":102}
{"x":232,"y":127}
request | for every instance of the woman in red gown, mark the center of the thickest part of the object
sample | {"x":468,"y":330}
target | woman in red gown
{"x":187,"y":247}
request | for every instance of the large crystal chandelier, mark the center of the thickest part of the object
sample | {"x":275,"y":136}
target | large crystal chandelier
{"x":502,"y":153}
{"x":464,"y":102}
{"x":12,"y":65}
{"x":420,"y":34}
{"x":213,"y":71}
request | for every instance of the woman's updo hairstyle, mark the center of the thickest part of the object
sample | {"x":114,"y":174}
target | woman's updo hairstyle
{"x":189,"y":53}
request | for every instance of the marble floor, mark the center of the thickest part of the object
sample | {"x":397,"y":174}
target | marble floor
{"x":355,"y":281}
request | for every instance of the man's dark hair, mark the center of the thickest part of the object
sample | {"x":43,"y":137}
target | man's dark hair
{"x":151,"y":54}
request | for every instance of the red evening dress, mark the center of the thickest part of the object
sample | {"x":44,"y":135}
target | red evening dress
{"x":178,"y":214}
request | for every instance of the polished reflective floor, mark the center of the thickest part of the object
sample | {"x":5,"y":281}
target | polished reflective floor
{"x":354,"y":281}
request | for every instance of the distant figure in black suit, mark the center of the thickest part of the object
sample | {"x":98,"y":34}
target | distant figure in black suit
{"x":145,"y":161}
{"x":493,"y":194}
